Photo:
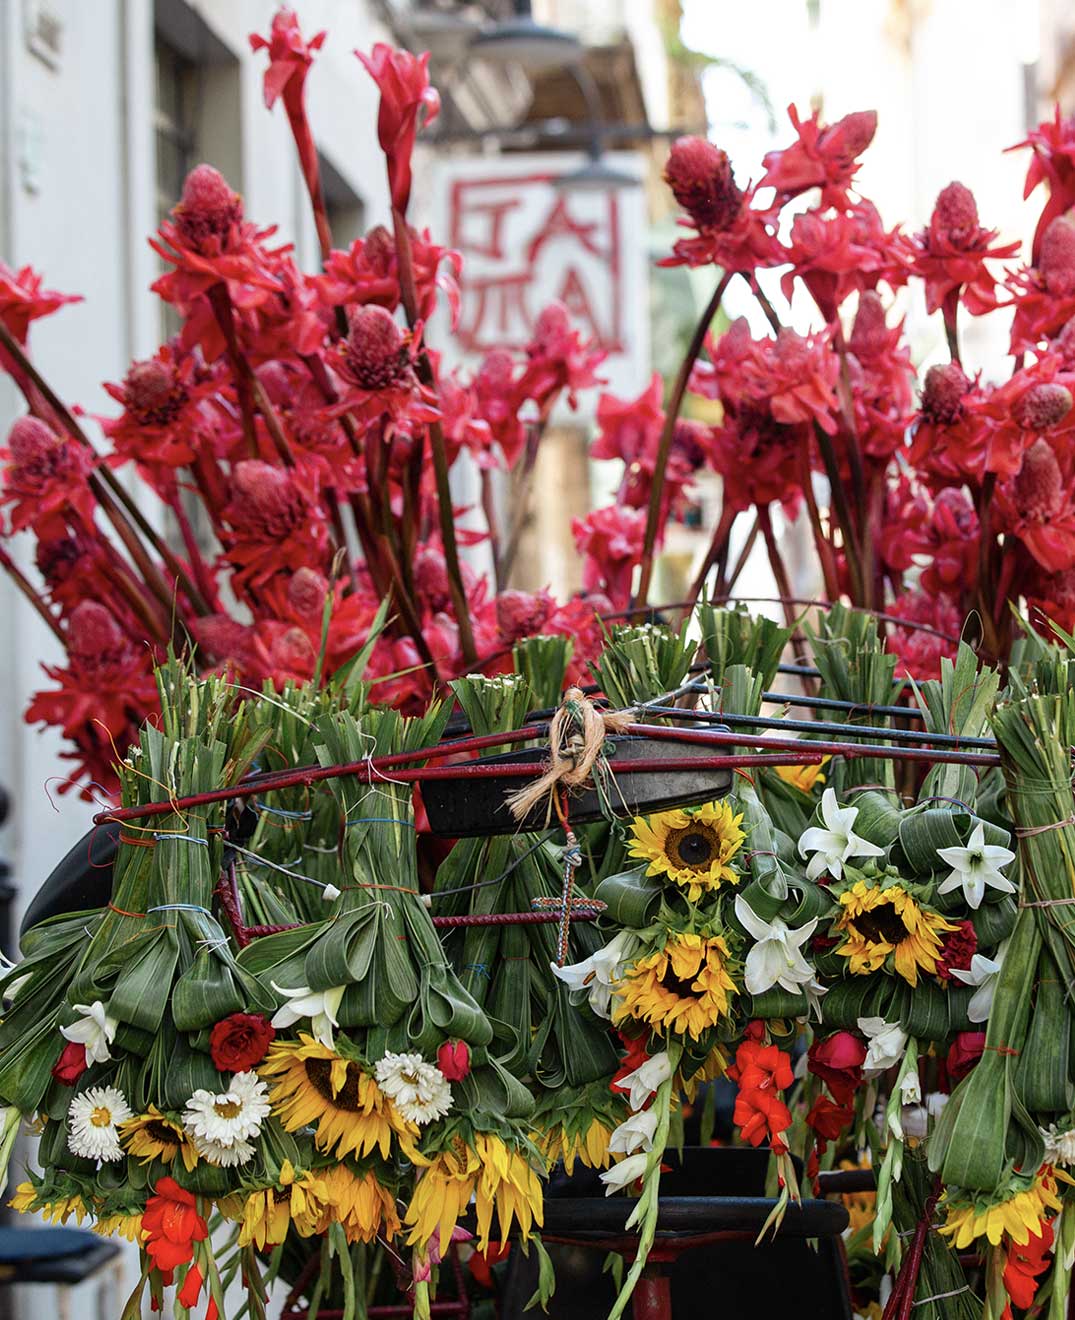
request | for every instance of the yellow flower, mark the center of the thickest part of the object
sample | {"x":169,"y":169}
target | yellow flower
{"x":683,"y":987}
{"x":802,"y":777}
{"x":28,"y":1197}
{"x":315,"y":1085}
{"x":1019,"y":1214}
{"x":123,"y":1225}
{"x":861,"y":1206}
{"x":296,"y":1200}
{"x":497,"y":1176}
{"x":152,"y":1136}
{"x":876,"y":922}
{"x":692,"y":848}
{"x":360,"y":1203}
{"x":588,"y":1145}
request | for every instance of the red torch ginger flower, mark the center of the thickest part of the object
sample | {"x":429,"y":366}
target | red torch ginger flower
{"x":934,"y":633}
{"x":103,"y":694}
{"x":1009,"y":418}
{"x":1053,"y":163}
{"x":497,"y":400}
{"x":951,"y":254}
{"x":611,"y":539}
{"x":1045,"y":293}
{"x":700,"y":177}
{"x":209,"y":215}
{"x":22,"y":300}
{"x":522,"y":613}
{"x":46,"y":475}
{"x":879,"y":366}
{"x":377,"y":355}
{"x":558,"y":360}
{"x":837,"y":252}
{"x":822,"y":157}
{"x":368,"y":272}
{"x":276,"y":520}
{"x":1038,"y":508}
{"x":405,"y":95}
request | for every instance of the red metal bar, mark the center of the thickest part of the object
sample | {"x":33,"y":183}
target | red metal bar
{"x":375,"y":769}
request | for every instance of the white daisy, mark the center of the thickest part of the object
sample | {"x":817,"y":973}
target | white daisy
{"x":1059,"y":1145}
{"x":226,"y":1157}
{"x":320,"y":1006}
{"x":226,"y":1122}
{"x":419,"y":1090}
{"x":94,"y":1029}
{"x":94,"y":1117}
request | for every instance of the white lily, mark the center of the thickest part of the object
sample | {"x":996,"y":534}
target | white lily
{"x":625,"y":1173}
{"x":646,"y":1078}
{"x":776,"y":958}
{"x":976,"y":866}
{"x":320,"y":1006}
{"x":888,"y":1041}
{"x":634,"y":1133}
{"x":94,"y":1029}
{"x":597,"y":975}
{"x":837,"y":842}
{"x":982,"y":974}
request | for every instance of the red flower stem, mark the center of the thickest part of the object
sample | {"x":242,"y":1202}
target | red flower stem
{"x":776,"y":563}
{"x":220,"y":302}
{"x":717,"y":545}
{"x":273,"y":424}
{"x":198,"y":565}
{"x":664,"y":445}
{"x":311,"y":173}
{"x":493,"y":524}
{"x":950,"y":314}
{"x":843,"y":512}
{"x":847,"y":413}
{"x":438,"y":450}
{"x":102,"y":481}
{"x":339,"y":533}
{"x":741,"y":560}
{"x":524,"y":488}
{"x":26,"y":587}
{"x":132,"y":589}
{"x":825,"y":555}
{"x":412,"y":496}
{"x":986,"y":592}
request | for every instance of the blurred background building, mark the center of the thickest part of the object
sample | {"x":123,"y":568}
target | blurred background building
{"x":106,"y":104}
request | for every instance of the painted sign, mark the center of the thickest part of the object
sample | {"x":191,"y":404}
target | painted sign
{"x":526,"y":242}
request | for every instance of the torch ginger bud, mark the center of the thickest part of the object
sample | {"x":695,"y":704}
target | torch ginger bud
{"x":376,"y":352}
{"x":151,"y":393}
{"x":955,"y":215}
{"x":1042,"y":406}
{"x":942,"y":394}
{"x":1039,"y":485}
{"x":700,"y":176}
{"x":209,"y":210}
{"x":1057,"y":260}
{"x":869,"y":334}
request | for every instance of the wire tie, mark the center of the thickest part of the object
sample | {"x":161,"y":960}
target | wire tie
{"x":937,"y":1297}
{"x":182,"y":838}
{"x":480,"y":968}
{"x":179,"y":907}
{"x":379,"y":820}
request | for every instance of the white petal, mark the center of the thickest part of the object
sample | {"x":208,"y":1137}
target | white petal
{"x":764,"y":964}
{"x":749,"y":919}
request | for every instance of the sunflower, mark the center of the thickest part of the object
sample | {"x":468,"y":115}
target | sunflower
{"x":683,"y":987}
{"x":692,"y":848}
{"x":121,"y":1224}
{"x":1019,"y":1214}
{"x":315,"y":1085}
{"x":575,"y":1123}
{"x":497,"y":1176}
{"x":876,"y":922}
{"x":802,"y":777}
{"x":296,"y":1200}
{"x":153,"y":1136}
{"x":359,"y":1202}
{"x":56,"y":1209}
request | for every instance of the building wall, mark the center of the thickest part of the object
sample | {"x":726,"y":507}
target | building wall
{"x":77,"y":200}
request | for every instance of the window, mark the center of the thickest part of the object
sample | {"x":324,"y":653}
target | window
{"x":176,"y":140}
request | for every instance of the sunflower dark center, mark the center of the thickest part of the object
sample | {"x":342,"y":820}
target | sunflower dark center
{"x":319,"y":1074}
{"x":882,"y":924}
{"x":167,"y":1136}
{"x":694,"y":846}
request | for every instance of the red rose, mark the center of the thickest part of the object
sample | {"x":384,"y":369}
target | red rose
{"x":827,"y":1119}
{"x":838,"y":1061}
{"x":964,"y":1053}
{"x":239,"y":1042}
{"x":71,"y":1064}
{"x":453,"y":1059}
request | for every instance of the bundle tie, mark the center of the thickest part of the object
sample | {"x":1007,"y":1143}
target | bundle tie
{"x":937,"y":1297}
{"x":181,"y":838}
{"x":480,"y":968}
{"x":123,"y":913}
{"x":399,"y":889}
{"x":180,"y":907}
{"x":379,"y":820}
{"x":1002,"y":1049}
{"x":1047,"y":902}
{"x":1028,"y":831}
{"x":577,"y":733}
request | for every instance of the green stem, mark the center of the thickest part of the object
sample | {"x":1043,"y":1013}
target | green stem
{"x":664,"y":445}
